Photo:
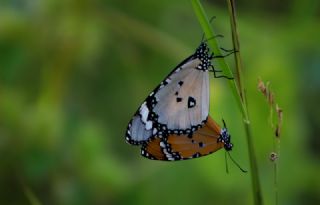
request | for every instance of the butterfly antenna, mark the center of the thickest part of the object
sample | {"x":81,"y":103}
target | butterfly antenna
{"x":226,"y":160}
{"x":212,"y":18}
{"x":202,"y":39}
{"x":236,"y":163}
{"x":224,"y":123}
{"x":208,"y":39}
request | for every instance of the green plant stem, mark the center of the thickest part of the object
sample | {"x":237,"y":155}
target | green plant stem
{"x":204,"y":22}
{"x":238,"y":92}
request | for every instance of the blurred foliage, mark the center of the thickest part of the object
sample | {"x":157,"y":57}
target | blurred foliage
{"x":72,"y":73}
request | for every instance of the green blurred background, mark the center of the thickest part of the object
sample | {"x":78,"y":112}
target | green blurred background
{"x":72,"y":73}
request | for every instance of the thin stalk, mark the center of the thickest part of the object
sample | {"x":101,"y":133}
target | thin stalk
{"x":238,"y":90}
{"x":276,"y":149}
{"x":236,"y":46}
{"x":275,"y":183}
{"x":256,"y":188}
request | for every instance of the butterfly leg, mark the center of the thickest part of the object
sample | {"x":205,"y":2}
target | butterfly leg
{"x":223,"y":56}
{"x":228,"y":50}
{"x":220,"y":76}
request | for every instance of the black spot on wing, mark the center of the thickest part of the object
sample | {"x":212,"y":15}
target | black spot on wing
{"x":191,"y":102}
{"x":196,"y":155}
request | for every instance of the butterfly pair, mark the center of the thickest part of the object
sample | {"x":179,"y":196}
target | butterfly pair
{"x":173,"y":123}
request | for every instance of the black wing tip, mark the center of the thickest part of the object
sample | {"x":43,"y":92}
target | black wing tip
{"x":129,"y":140}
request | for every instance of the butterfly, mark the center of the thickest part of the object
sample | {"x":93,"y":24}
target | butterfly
{"x":173,"y":122}
{"x":206,"y":140}
{"x":179,"y":104}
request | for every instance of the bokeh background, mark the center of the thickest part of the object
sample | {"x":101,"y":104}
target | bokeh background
{"x":72,"y":73}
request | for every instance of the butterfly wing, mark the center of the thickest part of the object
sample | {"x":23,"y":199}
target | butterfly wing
{"x":152,"y":150}
{"x":202,"y":142}
{"x":137,"y":131}
{"x":184,"y":101}
{"x":179,"y":104}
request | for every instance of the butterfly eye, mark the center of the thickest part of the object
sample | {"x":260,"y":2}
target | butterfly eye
{"x":228,"y":146}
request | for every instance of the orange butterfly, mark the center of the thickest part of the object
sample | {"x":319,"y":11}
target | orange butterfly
{"x":206,"y":140}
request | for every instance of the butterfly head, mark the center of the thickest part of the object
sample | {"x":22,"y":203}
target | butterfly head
{"x":225,"y":138}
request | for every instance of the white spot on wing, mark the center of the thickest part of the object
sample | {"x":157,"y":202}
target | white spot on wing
{"x":165,"y":152}
{"x":154,"y":131}
{"x":144,"y":112}
{"x":168,"y":155}
{"x":148,"y":125}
